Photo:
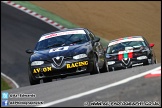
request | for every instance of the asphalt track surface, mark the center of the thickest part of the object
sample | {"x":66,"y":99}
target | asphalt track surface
{"x":20,"y":31}
{"x":140,"y":89}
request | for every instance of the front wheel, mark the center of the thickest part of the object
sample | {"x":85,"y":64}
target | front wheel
{"x":95,"y":69}
{"x":153,"y":60}
{"x":105,"y":67}
{"x":156,"y":61}
{"x":33,"y":81}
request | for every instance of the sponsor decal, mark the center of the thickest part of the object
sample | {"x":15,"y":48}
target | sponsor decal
{"x":120,"y":40}
{"x":125,"y":54}
{"x":62,"y":33}
{"x":45,"y":69}
{"x":77,"y":64}
{"x":59,"y":49}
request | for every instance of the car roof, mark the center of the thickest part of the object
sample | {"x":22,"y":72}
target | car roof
{"x":65,"y":30}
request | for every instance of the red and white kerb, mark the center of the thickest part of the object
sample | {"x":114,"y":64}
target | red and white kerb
{"x":156,"y":73}
{"x":34,"y":14}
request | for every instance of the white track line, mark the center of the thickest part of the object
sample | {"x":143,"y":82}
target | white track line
{"x":17,"y":86}
{"x":98,"y":89}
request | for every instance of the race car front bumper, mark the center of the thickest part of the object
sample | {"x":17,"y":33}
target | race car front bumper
{"x":70,"y":67}
{"x":116,"y":65}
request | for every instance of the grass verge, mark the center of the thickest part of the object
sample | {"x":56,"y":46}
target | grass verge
{"x":4,"y":85}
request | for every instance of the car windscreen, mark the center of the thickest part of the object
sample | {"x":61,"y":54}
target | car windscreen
{"x":64,"y":40}
{"x":124,"y":46}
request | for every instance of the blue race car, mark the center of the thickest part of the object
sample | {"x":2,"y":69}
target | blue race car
{"x":66,"y":52}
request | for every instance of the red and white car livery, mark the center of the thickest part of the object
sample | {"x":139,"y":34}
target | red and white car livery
{"x":128,"y":52}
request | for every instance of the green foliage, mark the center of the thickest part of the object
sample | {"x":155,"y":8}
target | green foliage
{"x":4,"y":85}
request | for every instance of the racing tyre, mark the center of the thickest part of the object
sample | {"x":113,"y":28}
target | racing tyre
{"x":33,"y":81}
{"x":95,"y":69}
{"x":105,"y":67}
{"x":47,"y":80}
{"x":154,"y":61}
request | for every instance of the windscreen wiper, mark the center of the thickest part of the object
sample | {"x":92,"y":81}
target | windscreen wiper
{"x":54,"y":45}
{"x":71,"y":42}
{"x":77,"y":41}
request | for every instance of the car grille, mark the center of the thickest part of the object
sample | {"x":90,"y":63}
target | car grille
{"x":51,"y":61}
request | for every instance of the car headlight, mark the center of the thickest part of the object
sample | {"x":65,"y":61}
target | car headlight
{"x":111,"y":62}
{"x":35,"y":63}
{"x":141,"y":57}
{"x":79,"y":56}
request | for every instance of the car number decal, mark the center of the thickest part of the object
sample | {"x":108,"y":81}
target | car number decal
{"x":59,"y":49}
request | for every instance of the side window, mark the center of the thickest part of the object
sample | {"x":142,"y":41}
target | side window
{"x":91,"y":36}
{"x":145,"y":41}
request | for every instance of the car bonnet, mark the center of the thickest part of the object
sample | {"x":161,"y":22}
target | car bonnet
{"x":65,"y":51}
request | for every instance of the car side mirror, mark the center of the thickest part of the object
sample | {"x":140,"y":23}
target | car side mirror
{"x":95,"y":40}
{"x":151,"y":45}
{"x":29,"y":51}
